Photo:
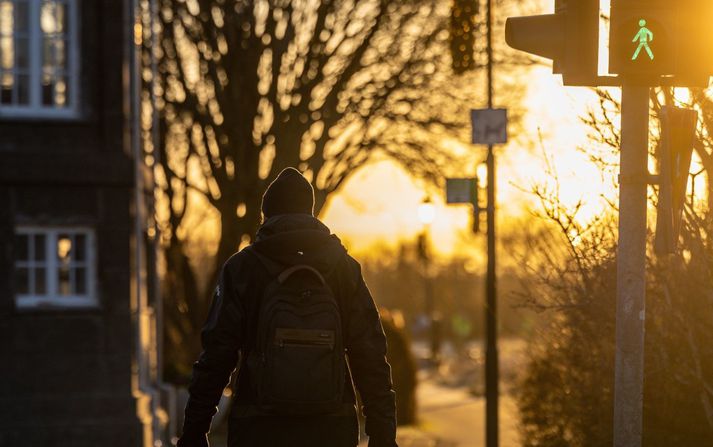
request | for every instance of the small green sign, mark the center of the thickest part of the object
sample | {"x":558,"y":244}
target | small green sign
{"x":644,"y":36}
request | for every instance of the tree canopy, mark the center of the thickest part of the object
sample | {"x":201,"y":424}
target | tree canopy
{"x":247,"y":88}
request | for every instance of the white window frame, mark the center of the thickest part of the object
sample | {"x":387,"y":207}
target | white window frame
{"x":52,"y":298}
{"x":35,"y":109}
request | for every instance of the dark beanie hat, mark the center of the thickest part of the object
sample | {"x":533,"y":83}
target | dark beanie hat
{"x":289,"y":193}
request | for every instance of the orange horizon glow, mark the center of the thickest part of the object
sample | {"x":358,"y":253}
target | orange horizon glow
{"x":378,"y":205}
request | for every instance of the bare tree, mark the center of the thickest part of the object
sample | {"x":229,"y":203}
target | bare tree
{"x":566,"y":394}
{"x":253,"y":87}
{"x":247,"y":88}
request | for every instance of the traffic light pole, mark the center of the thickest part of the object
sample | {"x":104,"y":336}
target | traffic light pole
{"x":491,"y":349}
{"x":631,"y":268}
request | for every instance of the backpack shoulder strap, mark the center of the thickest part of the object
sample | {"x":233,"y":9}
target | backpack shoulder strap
{"x":284,"y":276}
{"x":278,"y":271}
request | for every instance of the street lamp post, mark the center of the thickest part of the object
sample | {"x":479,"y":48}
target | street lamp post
{"x":426,"y":215}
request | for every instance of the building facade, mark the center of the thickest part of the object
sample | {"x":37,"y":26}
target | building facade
{"x":78,"y":316}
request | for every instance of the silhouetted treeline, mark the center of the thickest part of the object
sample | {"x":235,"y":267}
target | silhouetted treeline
{"x":397,"y":280}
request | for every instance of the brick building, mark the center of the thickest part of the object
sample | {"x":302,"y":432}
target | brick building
{"x":78,"y":318}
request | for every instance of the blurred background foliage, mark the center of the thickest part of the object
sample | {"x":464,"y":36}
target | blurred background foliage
{"x":565,"y":395}
{"x":247,"y":88}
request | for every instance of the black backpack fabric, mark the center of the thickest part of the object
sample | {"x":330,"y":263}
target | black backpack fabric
{"x":298,"y":364}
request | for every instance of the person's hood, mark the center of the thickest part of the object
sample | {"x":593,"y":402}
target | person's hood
{"x":292,"y":239}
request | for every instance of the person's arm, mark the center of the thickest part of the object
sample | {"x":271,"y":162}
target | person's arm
{"x":366,"y":349}
{"x":220,"y":338}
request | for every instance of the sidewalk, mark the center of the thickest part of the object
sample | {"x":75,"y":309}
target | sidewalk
{"x":453,"y":417}
{"x":413,"y":437}
{"x":457,"y":418}
{"x":450,"y":417}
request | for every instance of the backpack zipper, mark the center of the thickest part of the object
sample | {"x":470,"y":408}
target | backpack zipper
{"x":304,"y":343}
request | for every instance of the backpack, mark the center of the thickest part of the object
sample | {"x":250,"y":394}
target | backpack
{"x":298,"y":364}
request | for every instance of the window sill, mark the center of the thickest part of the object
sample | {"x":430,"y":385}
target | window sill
{"x":11,"y":114}
{"x":50,"y":303}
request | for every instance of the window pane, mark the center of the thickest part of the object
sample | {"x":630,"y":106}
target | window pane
{"x":40,"y":248}
{"x":23,"y":90}
{"x":52,"y":17}
{"x":22,"y":16}
{"x":5,"y":95}
{"x":60,"y":54}
{"x":7,"y":82}
{"x":7,"y":52}
{"x":64,"y":18}
{"x":54,"y":55}
{"x":23,"y":52}
{"x":48,"y":55}
{"x":61,"y":17}
{"x":55,"y":90}
{"x":41,"y":281}
{"x":47,"y":88}
{"x":21,"y":247}
{"x":63,"y":282}
{"x":60,"y":92}
{"x":22,"y":280}
{"x":80,"y":281}
{"x":64,"y":249}
{"x":80,"y":243}
{"x":6,"y":18}
{"x":64,"y":90}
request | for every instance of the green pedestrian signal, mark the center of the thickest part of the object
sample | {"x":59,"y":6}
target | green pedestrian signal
{"x":649,"y":39}
{"x":644,"y":36}
{"x":643,"y":40}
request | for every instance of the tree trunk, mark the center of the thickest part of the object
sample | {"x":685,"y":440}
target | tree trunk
{"x":184,"y":314}
{"x":233,"y":229}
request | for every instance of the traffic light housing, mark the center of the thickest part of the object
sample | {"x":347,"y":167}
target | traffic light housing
{"x":653,"y":38}
{"x":678,"y":133}
{"x":462,"y":37}
{"x":642,"y":39}
{"x":570,"y":37}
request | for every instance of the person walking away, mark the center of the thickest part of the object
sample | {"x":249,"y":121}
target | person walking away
{"x":293,"y":314}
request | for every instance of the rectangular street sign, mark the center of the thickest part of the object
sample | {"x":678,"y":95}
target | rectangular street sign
{"x":460,"y":190}
{"x":489,"y":126}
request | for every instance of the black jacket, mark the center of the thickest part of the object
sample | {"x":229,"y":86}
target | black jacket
{"x":230,"y":331}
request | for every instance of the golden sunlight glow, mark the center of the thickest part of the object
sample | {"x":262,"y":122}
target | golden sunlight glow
{"x":426,"y":212}
{"x":604,"y":13}
{"x":379,"y":203}
{"x":682,"y":95}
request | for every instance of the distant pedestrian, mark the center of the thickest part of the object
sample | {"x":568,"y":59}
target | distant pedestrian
{"x":288,"y":311}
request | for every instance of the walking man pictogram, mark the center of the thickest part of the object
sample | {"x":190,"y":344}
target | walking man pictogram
{"x":644,"y":36}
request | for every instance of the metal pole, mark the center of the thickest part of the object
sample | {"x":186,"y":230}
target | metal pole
{"x":491,"y":350}
{"x":631,"y":268}
{"x":428,"y":290}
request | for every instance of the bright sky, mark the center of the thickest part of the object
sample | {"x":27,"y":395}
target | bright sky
{"x":380,"y":203}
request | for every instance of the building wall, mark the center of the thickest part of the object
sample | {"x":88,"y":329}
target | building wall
{"x":67,"y":374}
